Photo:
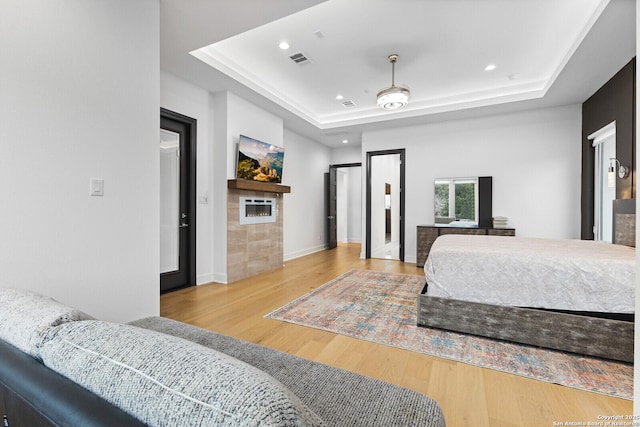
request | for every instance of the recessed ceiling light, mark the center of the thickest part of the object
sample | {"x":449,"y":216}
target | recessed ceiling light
{"x":339,"y":97}
{"x":284,"y":45}
{"x":345,"y":141}
{"x":490,"y":67}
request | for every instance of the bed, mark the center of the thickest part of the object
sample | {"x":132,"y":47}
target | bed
{"x":569,"y":295}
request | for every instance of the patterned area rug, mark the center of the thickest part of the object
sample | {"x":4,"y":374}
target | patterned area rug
{"x":381,"y":307}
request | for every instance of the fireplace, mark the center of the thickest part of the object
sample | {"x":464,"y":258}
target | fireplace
{"x":257,"y":210}
{"x":257,"y":248}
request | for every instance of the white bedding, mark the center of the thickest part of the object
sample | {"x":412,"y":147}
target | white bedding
{"x":575,"y":275}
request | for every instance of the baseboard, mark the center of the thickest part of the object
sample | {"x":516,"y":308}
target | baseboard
{"x":411,"y":259}
{"x":201,"y":279}
{"x":220,"y":278}
{"x":301,"y":253}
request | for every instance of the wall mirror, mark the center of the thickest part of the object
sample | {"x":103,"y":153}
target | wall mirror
{"x":463,"y":201}
{"x":456,"y":199}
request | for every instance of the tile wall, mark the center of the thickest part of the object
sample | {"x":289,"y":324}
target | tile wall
{"x":252,"y":248}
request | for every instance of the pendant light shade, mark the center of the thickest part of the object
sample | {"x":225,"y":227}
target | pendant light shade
{"x":393,"y":97}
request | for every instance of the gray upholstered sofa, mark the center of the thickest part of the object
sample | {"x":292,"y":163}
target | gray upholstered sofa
{"x":59,"y":366}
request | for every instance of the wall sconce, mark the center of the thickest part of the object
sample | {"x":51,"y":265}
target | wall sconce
{"x":622,"y":171}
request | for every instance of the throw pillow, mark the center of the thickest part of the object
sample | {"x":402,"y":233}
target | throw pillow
{"x":26,"y":317}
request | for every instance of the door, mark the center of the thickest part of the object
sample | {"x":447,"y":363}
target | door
{"x":331,"y":204}
{"x":177,"y":201}
{"x":382,"y":167}
{"x":332,"y":211}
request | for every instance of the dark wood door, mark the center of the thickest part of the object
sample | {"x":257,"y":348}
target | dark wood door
{"x":177,"y":201}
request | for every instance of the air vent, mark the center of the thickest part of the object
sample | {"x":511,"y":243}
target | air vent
{"x":348,"y":104}
{"x":299,"y":58}
{"x":338,"y":133}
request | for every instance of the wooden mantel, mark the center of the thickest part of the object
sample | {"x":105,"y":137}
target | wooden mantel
{"x":267,"y":187}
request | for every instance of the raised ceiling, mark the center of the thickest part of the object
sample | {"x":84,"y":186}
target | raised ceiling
{"x":541,"y":50}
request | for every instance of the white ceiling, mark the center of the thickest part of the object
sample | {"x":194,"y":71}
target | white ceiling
{"x":546,"y":52}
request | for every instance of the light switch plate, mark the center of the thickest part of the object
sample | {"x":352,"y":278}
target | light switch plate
{"x":96,"y":187}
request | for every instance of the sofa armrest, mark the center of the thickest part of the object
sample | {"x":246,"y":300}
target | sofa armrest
{"x":32,"y":394}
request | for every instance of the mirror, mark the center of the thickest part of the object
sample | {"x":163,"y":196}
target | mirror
{"x":463,"y":201}
{"x":387,"y":212}
{"x":456,"y":199}
{"x":169,"y":201}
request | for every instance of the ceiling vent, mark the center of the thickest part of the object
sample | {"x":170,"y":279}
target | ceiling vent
{"x":337,"y":133}
{"x":299,"y":58}
{"x":348,"y":104}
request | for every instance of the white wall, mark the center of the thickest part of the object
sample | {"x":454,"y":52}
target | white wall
{"x":347,"y":154}
{"x":305,"y":163}
{"x":354,"y":202}
{"x":349,"y":200}
{"x":349,"y":204}
{"x":222,"y":117}
{"x":244,"y":118}
{"x":189,"y":100}
{"x":354,"y":177}
{"x":219,"y":185}
{"x":534,"y":158}
{"x":342,"y":205}
{"x":80,"y":99}
{"x":232,"y":117}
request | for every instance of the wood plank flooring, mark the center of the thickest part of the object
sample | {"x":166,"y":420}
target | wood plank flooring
{"x":468,"y":395}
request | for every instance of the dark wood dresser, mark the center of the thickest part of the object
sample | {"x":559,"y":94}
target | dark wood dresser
{"x":427,"y":234}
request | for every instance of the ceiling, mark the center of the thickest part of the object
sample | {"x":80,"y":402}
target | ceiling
{"x":545,"y":52}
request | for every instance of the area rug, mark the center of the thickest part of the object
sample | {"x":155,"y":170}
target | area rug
{"x":381,"y":307}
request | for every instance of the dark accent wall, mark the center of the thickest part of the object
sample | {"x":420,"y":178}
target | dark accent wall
{"x":614,"y":101}
{"x":485,"y":202}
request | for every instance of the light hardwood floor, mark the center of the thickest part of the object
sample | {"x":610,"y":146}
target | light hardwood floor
{"x":468,"y":395}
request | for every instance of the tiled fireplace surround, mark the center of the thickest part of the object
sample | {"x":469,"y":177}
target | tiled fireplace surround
{"x":252,"y":248}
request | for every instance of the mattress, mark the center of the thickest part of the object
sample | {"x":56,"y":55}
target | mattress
{"x":559,"y":274}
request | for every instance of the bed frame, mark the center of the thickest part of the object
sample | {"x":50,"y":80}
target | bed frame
{"x":576,"y":333}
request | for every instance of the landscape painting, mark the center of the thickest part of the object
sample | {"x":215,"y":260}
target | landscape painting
{"x":259,"y":161}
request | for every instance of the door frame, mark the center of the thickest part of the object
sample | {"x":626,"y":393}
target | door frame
{"x":370,"y":154}
{"x":598,"y":139}
{"x":328,"y":197}
{"x":190,"y":151}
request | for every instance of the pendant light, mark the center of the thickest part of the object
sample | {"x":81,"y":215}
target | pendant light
{"x":393,"y":97}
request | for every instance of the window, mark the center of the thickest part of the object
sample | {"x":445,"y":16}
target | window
{"x":456,"y":199}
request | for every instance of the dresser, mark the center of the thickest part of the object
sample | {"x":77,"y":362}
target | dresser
{"x":427,"y":234}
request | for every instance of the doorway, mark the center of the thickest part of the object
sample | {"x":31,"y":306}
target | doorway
{"x":177,"y":201}
{"x":342,"y":204}
{"x":604,"y":144}
{"x":385,"y":204}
